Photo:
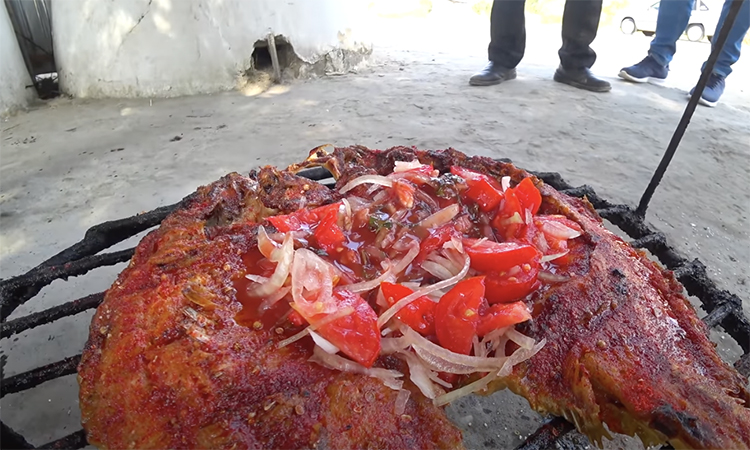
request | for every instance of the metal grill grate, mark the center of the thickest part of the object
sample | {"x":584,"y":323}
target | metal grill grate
{"x":724,"y":309}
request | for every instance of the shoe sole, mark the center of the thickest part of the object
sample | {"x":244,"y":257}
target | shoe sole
{"x":586,"y":87}
{"x":651,"y":80}
{"x":509,"y":77}
{"x":705,"y":102}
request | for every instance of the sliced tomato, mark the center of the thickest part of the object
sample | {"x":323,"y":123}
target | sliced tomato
{"x":303,"y":218}
{"x":418,"y":315}
{"x":510,"y":218}
{"x":489,"y":256}
{"x":404,"y":192}
{"x":328,"y":233}
{"x":502,"y":315}
{"x":483,"y":194}
{"x":515,"y":284}
{"x":435,"y":240}
{"x":357,"y":335}
{"x":457,"y":315}
{"x":528,"y":195}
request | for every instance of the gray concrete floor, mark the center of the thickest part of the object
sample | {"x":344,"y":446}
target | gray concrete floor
{"x":70,"y":164}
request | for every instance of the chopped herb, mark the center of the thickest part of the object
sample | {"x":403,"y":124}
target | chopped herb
{"x":377,"y":224}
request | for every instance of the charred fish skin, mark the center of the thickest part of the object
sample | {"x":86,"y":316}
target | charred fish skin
{"x":167,"y":364}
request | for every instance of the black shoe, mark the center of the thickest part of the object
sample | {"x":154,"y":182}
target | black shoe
{"x":493,"y":73}
{"x":582,"y":79}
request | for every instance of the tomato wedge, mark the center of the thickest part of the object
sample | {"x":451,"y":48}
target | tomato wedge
{"x":489,"y":256}
{"x":483,"y":194}
{"x":356,"y":335}
{"x":304,"y":218}
{"x":509,"y":221}
{"x":528,"y":195}
{"x":328,"y":233}
{"x":472,"y":177}
{"x":418,"y":315}
{"x":457,"y":315}
{"x":506,"y":287}
{"x":502,"y":315}
{"x":435,"y":240}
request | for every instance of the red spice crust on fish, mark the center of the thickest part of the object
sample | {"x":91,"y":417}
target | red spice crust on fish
{"x":167,"y":365}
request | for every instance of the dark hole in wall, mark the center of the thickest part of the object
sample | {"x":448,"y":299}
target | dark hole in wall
{"x":261,"y":57}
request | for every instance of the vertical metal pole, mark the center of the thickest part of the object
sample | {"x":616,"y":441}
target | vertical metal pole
{"x":274,"y":58}
{"x":719,"y":42}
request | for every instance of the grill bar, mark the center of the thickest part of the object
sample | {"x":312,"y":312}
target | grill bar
{"x":42,"y":276}
{"x":11,"y":439}
{"x":28,"y":380}
{"x":546,"y":435}
{"x":96,"y":239}
{"x":50,"y":315}
{"x":72,"y":441}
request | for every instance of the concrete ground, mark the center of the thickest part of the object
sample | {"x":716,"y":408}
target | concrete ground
{"x":71,"y":164}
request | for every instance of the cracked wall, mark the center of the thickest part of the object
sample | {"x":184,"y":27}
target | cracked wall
{"x":164,"y":48}
{"x":13,"y":74}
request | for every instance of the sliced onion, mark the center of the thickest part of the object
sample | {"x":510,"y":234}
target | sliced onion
{"x":413,"y":285}
{"x":256,"y":278}
{"x":505,"y":183}
{"x":547,"y":258}
{"x":436,"y":270}
{"x":424,"y":197}
{"x":522,"y":340}
{"x":405,"y":166}
{"x":271,"y":300}
{"x":365,"y":179}
{"x":389,"y":346}
{"x":465,"y":390}
{"x":406,"y":260}
{"x":284,"y":257}
{"x":436,"y":378}
{"x":419,"y":375}
{"x":357,"y":204}
{"x":519,"y":356}
{"x":365,"y":286}
{"x":324,"y":343}
{"x":335,"y":362}
{"x":393,"y":310}
{"x":335,"y":316}
{"x":312,"y":276}
{"x":549,"y":277}
{"x":444,"y":360}
{"x":480,"y":348}
{"x":559,"y":231}
{"x":265,"y":244}
{"x":401,"y":400}
{"x":347,"y":214}
{"x":441,"y":217}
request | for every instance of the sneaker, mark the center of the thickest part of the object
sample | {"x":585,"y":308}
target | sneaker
{"x":647,"y":70}
{"x":713,"y":90}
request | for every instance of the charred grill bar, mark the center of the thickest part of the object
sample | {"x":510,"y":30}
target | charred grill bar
{"x":724,"y":309}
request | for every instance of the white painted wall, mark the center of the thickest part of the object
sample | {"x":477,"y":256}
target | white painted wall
{"x":13,"y":74}
{"x":144,"y":48}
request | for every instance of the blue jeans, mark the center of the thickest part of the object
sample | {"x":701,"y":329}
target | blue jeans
{"x":674,"y":16}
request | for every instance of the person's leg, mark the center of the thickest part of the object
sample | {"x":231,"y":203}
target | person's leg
{"x":508,"y":32}
{"x":731,"y":51}
{"x":729,"y":54}
{"x":580,"y":23}
{"x":670,"y":24}
{"x":673,"y":18}
{"x":507,"y":44}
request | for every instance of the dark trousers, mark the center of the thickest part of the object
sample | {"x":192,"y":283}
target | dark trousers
{"x":579,"y":25}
